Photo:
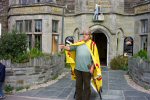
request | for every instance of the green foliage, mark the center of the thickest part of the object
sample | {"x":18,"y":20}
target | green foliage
{"x":54,"y":77}
{"x":27,"y":87}
{"x":34,"y":53}
{"x":22,"y":58}
{"x":8,"y":89}
{"x":142,"y":54}
{"x":12,"y":45}
{"x":19,"y":88}
{"x":67,"y":66}
{"x":119,"y":63}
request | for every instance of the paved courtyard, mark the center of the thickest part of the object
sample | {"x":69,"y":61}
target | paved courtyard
{"x":115,"y":87}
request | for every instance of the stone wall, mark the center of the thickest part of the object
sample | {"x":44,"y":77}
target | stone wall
{"x":3,"y":15}
{"x":139,"y":70}
{"x":36,"y":71}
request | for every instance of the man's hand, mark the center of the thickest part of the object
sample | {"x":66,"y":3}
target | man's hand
{"x":64,"y":47}
{"x":61,"y":46}
{"x":92,"y":69}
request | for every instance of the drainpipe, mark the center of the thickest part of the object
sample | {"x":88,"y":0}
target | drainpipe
{"x":62,"y":34}
{"x":0,"y":30}
{"x":63,"y":15}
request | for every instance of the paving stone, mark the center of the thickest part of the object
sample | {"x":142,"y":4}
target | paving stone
{"x":136,"y":98}
{"x":54,"y":88}
{"x":65,"y":93}
{"x":135,"y":94}
{"x":115,"y":87}
{"x":113,"y":97}
{"x":48,"y":94}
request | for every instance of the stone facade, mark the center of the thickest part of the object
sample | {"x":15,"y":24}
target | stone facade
{"x":36,"y":71}
{"x":119,"y":22}
{"x":44,"y":12}
{"x":114,"y":26}
{"x":142,"y":27}
{"x":139,"y":70}
{"x":3,"y":14}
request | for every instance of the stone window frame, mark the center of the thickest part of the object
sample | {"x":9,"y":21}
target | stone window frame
{"x":144,"y":33}
{"x":77,"y":34}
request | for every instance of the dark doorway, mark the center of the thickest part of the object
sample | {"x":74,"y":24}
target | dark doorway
{"x":101,"y":42}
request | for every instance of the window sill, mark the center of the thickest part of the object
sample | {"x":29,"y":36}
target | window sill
{"x":37,"y":32}
{"x":55,"y":33}
{"x":142,"y":34}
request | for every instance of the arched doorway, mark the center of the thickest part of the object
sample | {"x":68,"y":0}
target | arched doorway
{"x":101,"y":42}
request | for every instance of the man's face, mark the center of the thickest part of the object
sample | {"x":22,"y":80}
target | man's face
{"x":86,"y":37}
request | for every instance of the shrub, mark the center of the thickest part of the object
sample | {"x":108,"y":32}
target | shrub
{"x":22,"y":58}
{"x":119,"y":63}
{"x":12,"y":45}
{"x":19,"y":88}
{"x":34,"y":53}
{"x":142,"y":54}
{"x":8,"y":89}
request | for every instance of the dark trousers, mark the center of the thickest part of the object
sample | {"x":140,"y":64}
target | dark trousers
{"x":1,"y":89}
{"x":83,"y":90}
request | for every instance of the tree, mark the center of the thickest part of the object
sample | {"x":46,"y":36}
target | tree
{"x":12,"y":45}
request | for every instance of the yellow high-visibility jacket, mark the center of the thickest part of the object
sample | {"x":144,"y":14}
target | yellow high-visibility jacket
{"x":96,"y":80}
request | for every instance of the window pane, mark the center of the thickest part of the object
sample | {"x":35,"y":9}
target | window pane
{"x":55,"y":26}
{"x":31,"y":1}
{"x":144,"y":42}
{"x":37,"y":1}
{"x":19,"y":26}
{"x":144,"y":26}
{"x":29,"y":41}
{"x":54,"y":44}
{"x":38,"y":41}
{"x":23,"y":2}
{"x":28,"y":26}
{"x":38,"y":25}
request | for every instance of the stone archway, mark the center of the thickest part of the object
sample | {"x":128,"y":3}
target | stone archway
{"x":101,"y":36}
{"x":101,"y":42}
{"x":76,"y":34}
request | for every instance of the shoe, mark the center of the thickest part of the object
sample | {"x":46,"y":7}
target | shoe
{"x":2,"y":97}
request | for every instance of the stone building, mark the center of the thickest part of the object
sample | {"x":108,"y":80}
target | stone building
{"x":3,"y":15}
{"x":41,"y":20}
{"x":142,"y":26}
{"x":48,"y":22}
{"x":115,"y":28}
{"x":109,"y":31}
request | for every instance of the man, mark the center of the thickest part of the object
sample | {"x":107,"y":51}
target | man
{"x":2,"y":79}
{"x":83,"y":63}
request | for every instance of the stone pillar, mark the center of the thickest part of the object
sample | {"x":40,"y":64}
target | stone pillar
{"x":0,"y":30}
{"x":148,"y":37}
